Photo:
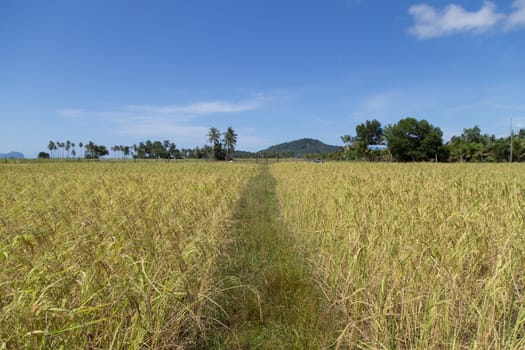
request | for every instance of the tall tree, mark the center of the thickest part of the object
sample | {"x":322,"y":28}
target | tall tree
{"x":230,"y":140}
{"x":68,"y":147}
{"x":472,"y":135}
{"x":51,"y":147}
{"x":172,"y":150}
{"x":214,"y":138}
{"x":414,"y":140}
{"x":61,"y":145}
{"x":369,"y":133}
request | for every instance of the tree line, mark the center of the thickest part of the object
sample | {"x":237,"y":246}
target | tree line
{"x":408,"y":140}
{"x":222,"y":147}
{"x":418,"y":140}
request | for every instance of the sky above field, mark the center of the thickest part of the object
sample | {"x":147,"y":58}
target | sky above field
{"x":121,"y":72}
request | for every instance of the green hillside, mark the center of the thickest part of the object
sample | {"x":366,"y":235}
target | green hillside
{"x":300,"y":148}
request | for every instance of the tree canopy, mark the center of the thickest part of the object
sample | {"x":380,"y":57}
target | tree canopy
{"x":369,"y":133}
{"x":414,"y":140}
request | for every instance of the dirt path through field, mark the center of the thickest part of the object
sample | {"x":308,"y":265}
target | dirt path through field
{"x":269,"y":300}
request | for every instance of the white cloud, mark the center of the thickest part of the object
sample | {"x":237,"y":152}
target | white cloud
{"x":382,"y":106}
{"x":453,"y":19}
{"x":380,"y":102}
{"x":200,"y":107}
{"x":171,"y":121}
{"x":162,"y":129}
{"x":517,"y":18}
{"x":70,"y":113}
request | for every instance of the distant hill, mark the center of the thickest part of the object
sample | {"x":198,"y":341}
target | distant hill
{"x":244,"y":154}
{"x":302,"y":147}
{"x":17,"y":155}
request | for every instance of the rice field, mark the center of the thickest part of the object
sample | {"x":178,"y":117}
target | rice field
{"x":414,"y":256}
{"x":111,"y":256}
{"x":158,"y":255}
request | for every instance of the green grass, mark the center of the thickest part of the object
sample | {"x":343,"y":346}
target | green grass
{"x":268,"y":299}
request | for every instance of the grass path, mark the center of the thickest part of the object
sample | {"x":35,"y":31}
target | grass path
{"x":269,"y":299}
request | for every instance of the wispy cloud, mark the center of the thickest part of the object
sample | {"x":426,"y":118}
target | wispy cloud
{"x":180,"y":121}
{"x":454,"y":19}
{"x":160,"y":129}
{"x":379,"y":103}
{"x":385,"y":106}
{"x":517,"y":18}
{"x":200,"y":108}
{"x":70,"y":113}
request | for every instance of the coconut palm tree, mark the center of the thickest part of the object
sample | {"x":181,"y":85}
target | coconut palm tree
{"x":214,"y":137}
{"x":230,"y":140}
{"x":68,"y":147}
{"x":51,"y":147}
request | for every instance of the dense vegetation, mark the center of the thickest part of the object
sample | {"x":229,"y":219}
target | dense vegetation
{"x":418,"y":140}
{"x":111,"y":256}
{"x":413,"y":256}
{"x":408,"y":140}
{"x":222,"y":148}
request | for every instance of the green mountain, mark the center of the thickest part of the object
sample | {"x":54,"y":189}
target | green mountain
{"x":300,"y":148}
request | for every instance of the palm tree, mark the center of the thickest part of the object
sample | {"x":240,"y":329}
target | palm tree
{"x":52,"y":146}
{"x":61,"y":145}
{"x":90,"y":150}
{"x":80,"y":144}
{"x":230,"y":140}
{"x":214,"y":137}
{"x":68,"y":147}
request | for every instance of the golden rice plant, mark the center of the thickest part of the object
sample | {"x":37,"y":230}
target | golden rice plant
{"x":111,"y":256}
{"x":414,"y":256}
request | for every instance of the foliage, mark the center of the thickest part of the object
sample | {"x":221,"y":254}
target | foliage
{"x":149,"y":149}
{"x":359,"y":147}
{"x":156,"y":150}
{"x":94,"y":151}
{"x":230,"y":140}
{"x":414,"y":140}
{"x":222,"y":150}
{"x":472,"y":146}
{"x":369,"y":133}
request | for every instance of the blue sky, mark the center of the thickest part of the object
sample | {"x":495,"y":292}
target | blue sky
{"x":121,"y":72}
